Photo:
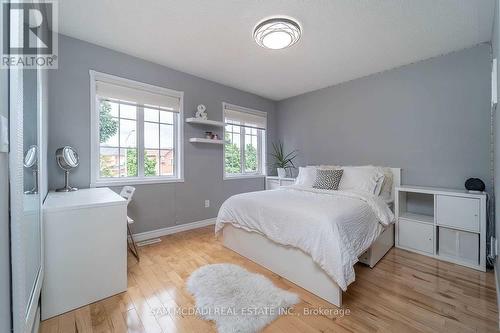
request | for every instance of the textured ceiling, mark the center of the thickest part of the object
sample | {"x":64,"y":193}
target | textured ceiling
{"x":342,"y":39}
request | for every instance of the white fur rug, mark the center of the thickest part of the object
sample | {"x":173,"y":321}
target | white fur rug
{"x":237,"y":300}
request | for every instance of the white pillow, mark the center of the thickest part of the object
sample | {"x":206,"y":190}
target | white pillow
{"x":384,"y":184}
{"x":306,"y":176}
{"x":329,"y":167}
{"x":386,"y":188}
{"x":367,"y":179}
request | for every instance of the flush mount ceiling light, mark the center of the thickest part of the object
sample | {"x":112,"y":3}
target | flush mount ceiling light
{"x":277,"y":33}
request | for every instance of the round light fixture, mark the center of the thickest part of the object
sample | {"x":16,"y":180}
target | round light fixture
{"x":277,"y":33}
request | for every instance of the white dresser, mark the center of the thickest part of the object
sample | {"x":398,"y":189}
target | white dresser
{"x":273,"y":182}
{"x":442,"y":223}
{"x":85,"y":248}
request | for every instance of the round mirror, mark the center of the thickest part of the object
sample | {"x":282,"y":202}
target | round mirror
{"x":67,"y":158}
{"x":31,"y":156}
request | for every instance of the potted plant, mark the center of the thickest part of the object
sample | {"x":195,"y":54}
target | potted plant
{"x":282,"y":161}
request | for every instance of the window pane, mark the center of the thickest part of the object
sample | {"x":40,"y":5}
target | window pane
{"x":151,"y":162}
{"x":128,"y":162}
{"x":109,"y":162}
{"x":166,"y":162}
{"x":111,"y":107}
{"x":166,"y":117}
{"x":128,"y":133}
{"x":166,"y":136}
{"x":151,"y":135}
{"x":108,"y":125}
{"x":232,"y":153}
{"x":128,"y":111}
{"x":251,"y":159}
{"x":151,"y":115}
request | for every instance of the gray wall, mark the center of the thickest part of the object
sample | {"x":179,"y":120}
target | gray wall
{"x":431,"y":118}
{"x":160,"y":205}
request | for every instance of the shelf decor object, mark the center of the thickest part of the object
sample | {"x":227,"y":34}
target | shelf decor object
{"x":201,"y":112}
{"x":442,"y":223}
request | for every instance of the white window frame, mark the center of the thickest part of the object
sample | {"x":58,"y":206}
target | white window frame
{"x":261,"y":139}
{"x":95,"y":179}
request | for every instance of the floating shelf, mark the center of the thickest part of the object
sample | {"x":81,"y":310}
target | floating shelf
{"x":203,"y":140}
{"x":204,"y":122}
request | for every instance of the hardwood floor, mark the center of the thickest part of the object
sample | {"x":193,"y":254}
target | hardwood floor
{"x":405,"y":292}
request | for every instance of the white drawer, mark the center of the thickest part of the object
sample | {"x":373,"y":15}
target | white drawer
{"x":416,"y":235}
{"x":458,"y":212}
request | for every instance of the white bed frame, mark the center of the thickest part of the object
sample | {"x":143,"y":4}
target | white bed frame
{"x":298,"y":267}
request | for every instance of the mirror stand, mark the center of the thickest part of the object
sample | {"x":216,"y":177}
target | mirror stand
{"x":66,"y":187}
{"x":34,"y":190}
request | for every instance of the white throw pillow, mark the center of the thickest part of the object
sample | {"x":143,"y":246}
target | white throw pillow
{"x":386,"y":188}
{"x":329,"y":167}
{"x":306,"y":177}
{"x":365,"y":178}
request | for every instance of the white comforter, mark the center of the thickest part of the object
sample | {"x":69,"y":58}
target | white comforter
{"x":333,"y":227}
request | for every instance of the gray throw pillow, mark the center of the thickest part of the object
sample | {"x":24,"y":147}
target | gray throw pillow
{"x":328,"y":179}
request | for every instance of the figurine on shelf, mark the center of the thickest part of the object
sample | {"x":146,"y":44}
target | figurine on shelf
{"x":211,"y":135}
{"x":201,"y":112}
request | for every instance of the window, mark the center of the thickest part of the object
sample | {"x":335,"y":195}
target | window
{"x":136,"y":132}
{"x":244,"y":147}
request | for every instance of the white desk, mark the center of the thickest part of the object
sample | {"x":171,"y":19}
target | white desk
{"x":85,"y":249}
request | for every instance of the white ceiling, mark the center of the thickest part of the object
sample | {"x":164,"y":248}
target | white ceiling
{"x":342,"y":39}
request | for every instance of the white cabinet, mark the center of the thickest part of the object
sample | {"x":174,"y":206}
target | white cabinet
{"x":451,"y":227}
{"x":416,"y":235}
{"x":458,"y":212}
{"x":85,"y":249}
{"x":276,"y":182}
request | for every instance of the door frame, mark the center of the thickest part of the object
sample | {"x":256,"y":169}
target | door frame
{"x":23,"y":313}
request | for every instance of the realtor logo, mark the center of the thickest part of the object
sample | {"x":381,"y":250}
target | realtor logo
{"x":29,"y":34}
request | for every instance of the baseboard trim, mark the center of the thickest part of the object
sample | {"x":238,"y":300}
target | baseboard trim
{"x":142,"y":236}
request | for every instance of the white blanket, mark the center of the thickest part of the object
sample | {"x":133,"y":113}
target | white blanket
{"x":333,"y":227}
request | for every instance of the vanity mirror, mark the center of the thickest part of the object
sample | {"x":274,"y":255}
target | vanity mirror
{"x":67,"y":159}
{"x":31,"y":162}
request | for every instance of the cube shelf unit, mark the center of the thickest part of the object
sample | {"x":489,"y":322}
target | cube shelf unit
{"x":205,"y":122}
{"x":445,"y":224}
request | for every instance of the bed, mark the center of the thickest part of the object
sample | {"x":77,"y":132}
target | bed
{"x":311,"y":237}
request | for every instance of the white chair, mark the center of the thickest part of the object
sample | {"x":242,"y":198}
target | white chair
{"x":127,"y":193}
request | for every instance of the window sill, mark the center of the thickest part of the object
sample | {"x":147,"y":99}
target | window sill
{"x":123,"y":182}
{"x":226,"y":177}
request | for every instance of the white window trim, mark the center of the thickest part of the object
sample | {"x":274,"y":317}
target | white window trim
{"x":95,"y":180}
{"x":262,"y":172}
